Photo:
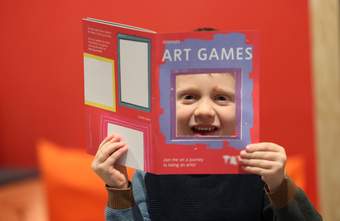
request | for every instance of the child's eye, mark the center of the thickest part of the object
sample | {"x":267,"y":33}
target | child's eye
{"x":189,"y":98}
{"x":223,"y":99}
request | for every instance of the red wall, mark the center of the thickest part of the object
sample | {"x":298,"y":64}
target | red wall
{"x":41,"y":67}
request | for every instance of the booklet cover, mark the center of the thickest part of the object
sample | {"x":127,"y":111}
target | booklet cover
{"x":185,"y":103}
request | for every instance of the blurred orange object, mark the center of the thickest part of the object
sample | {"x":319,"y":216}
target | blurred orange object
{"x":295,"y":169}
{"x":73,"y":190}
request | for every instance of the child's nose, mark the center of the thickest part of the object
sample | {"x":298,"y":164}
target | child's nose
{"x":204,"y":112}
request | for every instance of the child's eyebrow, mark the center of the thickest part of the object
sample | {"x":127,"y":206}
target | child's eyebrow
{"x":187,"y":88}
{"x":227,"y":90}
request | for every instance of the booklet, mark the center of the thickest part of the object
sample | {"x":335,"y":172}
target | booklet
{"x":185,"y":103}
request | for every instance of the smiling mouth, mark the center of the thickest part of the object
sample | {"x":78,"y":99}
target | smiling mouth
{"x":204,"y":130}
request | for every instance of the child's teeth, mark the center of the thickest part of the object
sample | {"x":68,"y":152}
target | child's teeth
{"x":205,"y":129}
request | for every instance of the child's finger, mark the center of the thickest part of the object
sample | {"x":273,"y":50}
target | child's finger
{"x":264,"y":155}
{"x":264,"y":164}
{"x":106,"y":139}
{"x":254,"y":170}
{"x":112,"y":159}
{"x":265,"y":146}
{"x":109,"y":139}
{"x":107,"y":150}
{"x":112,"y":137}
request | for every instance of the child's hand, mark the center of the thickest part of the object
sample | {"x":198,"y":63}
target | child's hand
{"x":104,"y":162}
{"x":267,"y":160}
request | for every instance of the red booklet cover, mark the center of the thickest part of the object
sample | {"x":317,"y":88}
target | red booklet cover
{"x":185,"y":103}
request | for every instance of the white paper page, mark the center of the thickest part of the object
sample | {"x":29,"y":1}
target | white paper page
{"x":135,"y":141}
{"x":134,"y":72}
{"x":99,"y":82}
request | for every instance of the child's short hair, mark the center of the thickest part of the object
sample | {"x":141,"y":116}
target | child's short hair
{"x":205,"y":29}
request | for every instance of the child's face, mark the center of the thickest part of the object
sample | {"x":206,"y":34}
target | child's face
{"x":205,"y":104}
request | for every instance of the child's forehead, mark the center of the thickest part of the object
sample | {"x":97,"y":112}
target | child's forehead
{"x":204,"y":76}
{"x":209,"y":81}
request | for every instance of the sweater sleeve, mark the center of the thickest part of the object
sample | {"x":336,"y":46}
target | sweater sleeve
{"x":289,"y":202}
{"x":128,"y":204}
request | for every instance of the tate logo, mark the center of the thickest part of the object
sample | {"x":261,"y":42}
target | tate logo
{"x":232,"y":160}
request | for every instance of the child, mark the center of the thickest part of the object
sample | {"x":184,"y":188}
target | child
{"x":205,"y":104}
{"x":264,"y":195}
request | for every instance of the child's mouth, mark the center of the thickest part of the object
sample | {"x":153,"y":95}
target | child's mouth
{"x":204,"y":130}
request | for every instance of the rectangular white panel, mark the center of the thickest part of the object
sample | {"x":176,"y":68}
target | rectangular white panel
{"x":135,"y":141}
{"x":134,"y":72}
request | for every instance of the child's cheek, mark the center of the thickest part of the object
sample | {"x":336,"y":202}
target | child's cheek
{"x":228,"y":118}
{"x":184,"y":113}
